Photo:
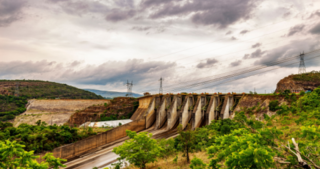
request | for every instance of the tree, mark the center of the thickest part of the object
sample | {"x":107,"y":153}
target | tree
{"x":242,"y":149}
{"x":197,"y":163}
{"x":13,"y":156}
{"x":53,"y":162}
{"x":167,"y":148}
{"x":139,"y":150}
{"x":186,"y":139}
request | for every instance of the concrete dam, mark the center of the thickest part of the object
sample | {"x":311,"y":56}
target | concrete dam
{"x":168,"y":111}
{"x":156,"y":114}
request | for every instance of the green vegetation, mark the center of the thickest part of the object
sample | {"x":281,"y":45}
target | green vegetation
{"x":41,"y":137}
{"x":13,"y":155}
{"x":244,"y":142}
{"x":313,"y":76}
{"x":11,"y":106}
{"x":139,"y":150}
{"x":48,"y":90}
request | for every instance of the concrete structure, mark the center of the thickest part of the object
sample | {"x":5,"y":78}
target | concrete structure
{"x":173,"y":112}
{"x":155,"y":112}
{"x":162,"y":111}
{"x":212,"y":112}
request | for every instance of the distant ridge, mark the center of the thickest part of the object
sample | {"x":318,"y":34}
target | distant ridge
{"x":111,"y":94}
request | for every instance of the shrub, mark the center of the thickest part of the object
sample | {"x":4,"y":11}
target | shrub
{"x":274,"y":105}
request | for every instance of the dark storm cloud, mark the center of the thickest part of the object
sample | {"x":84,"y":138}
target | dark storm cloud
{"x":105,"y":73}
{"x":296,"y":29}
{"x":229,"y":32}
{"x":75,"y":7}
{"x":286,"y":14}
{"x":243,"y":32}
{"x":148,"y":3}
{"x":256,"y":54}
{"x":10,"y":11}
{"x":316,"y":29}
{"x":204,"y":12}
{"x":256,"y":45}
{"x":141,"y":28}
{"x":293,"y":49}
{"x":19,"y":67}
{"x":208,"y":63}
{"x":119,"y":15}
{"x":235,"y":63}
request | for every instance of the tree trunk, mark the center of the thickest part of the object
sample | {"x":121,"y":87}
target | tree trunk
{"x":301,"y":161}
{"x":188,"y":160}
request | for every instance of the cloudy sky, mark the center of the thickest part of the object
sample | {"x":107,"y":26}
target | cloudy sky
{"x":100,"y":44}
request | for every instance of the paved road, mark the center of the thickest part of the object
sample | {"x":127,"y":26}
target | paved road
{"x":103,"y":157}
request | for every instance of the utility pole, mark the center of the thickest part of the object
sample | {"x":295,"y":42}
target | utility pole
{"x":17,"y":92}
{"x":161,"y":89}
{"x":302,"y":66}
{"x":129,"y":88}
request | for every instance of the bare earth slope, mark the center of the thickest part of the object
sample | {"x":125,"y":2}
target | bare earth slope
{"x":54,"y":111}
{"x":296,"y":83}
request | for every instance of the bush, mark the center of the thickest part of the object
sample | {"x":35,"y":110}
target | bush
{"x":274,"y":105}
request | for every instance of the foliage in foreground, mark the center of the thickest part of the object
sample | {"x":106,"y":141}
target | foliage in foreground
{"x":245,"y":142}
{"x":42,"y":137}
{"x":139,"y":150}
{"x":13,"y":156}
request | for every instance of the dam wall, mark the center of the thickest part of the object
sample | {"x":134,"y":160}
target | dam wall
{"x":173,"y":112}
{"x":162,"y":111}
{"x":143,"y":107}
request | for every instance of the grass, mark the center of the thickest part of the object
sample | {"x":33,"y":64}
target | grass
{"x":181,"y":162}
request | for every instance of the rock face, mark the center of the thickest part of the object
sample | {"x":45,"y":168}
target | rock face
{"x":120,"y":108}
{"x":54,"y":111}
{"x":257,"y":105}
{"x":297,"y":83}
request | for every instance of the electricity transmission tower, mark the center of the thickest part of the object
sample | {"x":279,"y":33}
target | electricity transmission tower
{"x":129,"y":88}
{"x":302,"y":67}
{"x":17,"y":92}
{"x":161,"y":89}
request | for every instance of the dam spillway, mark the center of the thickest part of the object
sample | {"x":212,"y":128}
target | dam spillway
{"x":159,"y":115}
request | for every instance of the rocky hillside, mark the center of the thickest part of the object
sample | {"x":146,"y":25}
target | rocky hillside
{"x":11,"y":105}
{"x":44,"y":90}
{"x":57,"y":111}
{"x":299,"y":82}
{"x":118,"y":108}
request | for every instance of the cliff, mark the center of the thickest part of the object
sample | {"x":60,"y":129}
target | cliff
{"x":297,"y":83}
{"x":56,"y":111}
{"x":118,"y":108}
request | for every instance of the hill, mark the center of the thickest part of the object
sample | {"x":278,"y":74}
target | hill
{"x":12,"y":105}
{"x":111,"y":94}
{"x":299,"y":82}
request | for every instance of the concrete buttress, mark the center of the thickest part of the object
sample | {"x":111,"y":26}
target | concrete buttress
{"x":173,"y":114}
{"x":211,"y":111}
{"x":150,"y":114}
{"x":186,"y":110}
{"x":162,"y":111}
{"x":198,"y":113}
{"x":228,"y":103}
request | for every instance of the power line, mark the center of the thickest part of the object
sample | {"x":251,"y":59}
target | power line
{"x":161,"y":89}
{"x":239,"y":72}
{"x":302,"y":66}
{"x":186,"y":49}
{"x":258,"y":73}
{"x":129,"y":88}
{"x":237,"y":42}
